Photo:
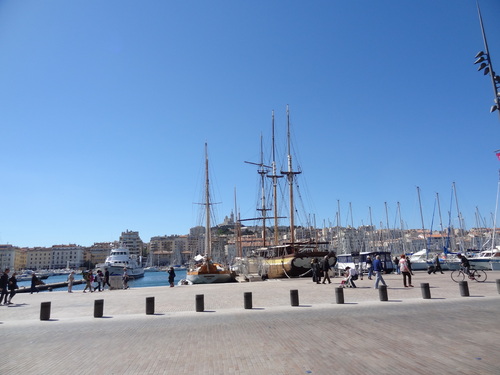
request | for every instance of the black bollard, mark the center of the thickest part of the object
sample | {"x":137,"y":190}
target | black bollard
{"x":464,"y":288}
{"x":247,"y":298}
{"x":426,"y":290}
{"x":150,"y":305}
{"x":382,"y":293}
{"x":200,"y":303}
{"x":339,"y":295}
{"x":98,"y":308}
{"x":294,"y":297}
{"x":45,"y":311}
{"x":498,"y":286}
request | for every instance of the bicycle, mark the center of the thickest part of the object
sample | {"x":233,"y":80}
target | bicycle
{"x":477,"y":275}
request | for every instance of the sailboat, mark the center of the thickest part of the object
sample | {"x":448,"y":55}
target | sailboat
{"x":204,"y":270}
{"x":293,"y":258}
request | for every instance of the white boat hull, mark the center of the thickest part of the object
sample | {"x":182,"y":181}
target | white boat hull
{"x":136,"y":273}
{"x":483,"y":264}
{"x":209,"y":278}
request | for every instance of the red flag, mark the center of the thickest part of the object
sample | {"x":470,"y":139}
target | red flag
{"x":498,"y":155}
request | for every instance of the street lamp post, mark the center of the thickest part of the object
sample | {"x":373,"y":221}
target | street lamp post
{"x":484,"y":58}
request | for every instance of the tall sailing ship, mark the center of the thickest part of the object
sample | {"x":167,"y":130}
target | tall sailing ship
{"x":290,"y":258}
{"x":203,"y":269}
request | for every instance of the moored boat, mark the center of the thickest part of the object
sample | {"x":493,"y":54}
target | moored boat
{"x":291,"y":259}
{"x":485,"y":259}
{"x":120,"y":259}
{"x":204,"y":270}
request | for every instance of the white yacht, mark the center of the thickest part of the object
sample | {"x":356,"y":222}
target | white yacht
{"x":485,"y":259}
{"x":118,"y":260}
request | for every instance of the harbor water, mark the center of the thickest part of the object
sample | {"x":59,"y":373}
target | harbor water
{"x":150,"y":279}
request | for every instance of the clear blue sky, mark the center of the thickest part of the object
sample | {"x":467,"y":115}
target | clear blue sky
{"x":105,"y":107}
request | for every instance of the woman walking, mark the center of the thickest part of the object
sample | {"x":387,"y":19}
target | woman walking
{"x":171,"y":276}
{"x":405,"y":270}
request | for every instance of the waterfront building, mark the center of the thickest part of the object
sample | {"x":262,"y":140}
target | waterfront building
{"x":39,"y":258}
{"x":132,"y":242}
{"x":99,"y":251}
{"x":166,"y":250}
{"x":20,"y":258}
{"x":66,"y":256}
{"x":7,"y":257}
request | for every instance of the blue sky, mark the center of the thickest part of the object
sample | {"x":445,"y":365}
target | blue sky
{"x":106,"y":106}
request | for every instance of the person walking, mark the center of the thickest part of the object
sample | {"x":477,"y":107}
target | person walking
{"x":125,"y":279}
{"x":106,"y":279}
{"x":4,"y":283}
{"x":325,"y":265}
{"x":12,"y":287}
{"x":87,"y":276}
{"x":71,"y":278}
{"x":171,"y":276}
{"x":315,"y":271}
{"x":333,"y":263}
{"x":405,"y":270}
{"x":396,"y":264}
{"x":369,"y":267}
{"x":34,"y":282}
{"x":98,"y":279}
{"x":437,"y":265}
{"x":378,"y":269}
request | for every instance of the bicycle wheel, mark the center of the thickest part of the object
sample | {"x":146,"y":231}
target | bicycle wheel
{"x":479,"y":275}
{"x":457,"y":276}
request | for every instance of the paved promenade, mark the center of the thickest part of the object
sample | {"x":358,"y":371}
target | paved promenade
{"x":447,"y":334}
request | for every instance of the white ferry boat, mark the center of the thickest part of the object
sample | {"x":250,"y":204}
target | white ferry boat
{"x":118,"y":260}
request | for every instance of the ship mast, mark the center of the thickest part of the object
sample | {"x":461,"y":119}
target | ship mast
{"x":208,"y":239}
{"x":290,"y":176}
{"x":274,"y":176}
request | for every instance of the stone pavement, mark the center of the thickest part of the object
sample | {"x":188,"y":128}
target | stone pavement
{"x":447,"y":334}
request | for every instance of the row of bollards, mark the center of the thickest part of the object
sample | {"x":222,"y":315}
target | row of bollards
{"x":247,"y":299}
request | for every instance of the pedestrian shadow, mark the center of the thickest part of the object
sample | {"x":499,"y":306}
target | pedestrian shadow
{"x":303,"y":306}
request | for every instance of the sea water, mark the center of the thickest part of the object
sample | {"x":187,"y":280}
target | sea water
{"x":150,"y":279}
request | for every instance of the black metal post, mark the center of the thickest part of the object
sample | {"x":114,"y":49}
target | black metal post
{"x":247,"y":297}
{"x":150,"y":305}
{"x":426,"y":290}
{"x":200,"y":303}
{"x":98,"y":308}
{"x":382,"y":293}
{"x":294,"y":297}
{"x":339,"y":295}
{"x":45,"y":311}
{"x":464,"y":288}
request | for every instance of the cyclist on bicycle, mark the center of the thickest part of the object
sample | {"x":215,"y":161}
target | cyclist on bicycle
{"x":464,"y":263}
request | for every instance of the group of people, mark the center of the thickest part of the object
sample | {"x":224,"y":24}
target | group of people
{"x":321,"y":269}
{"x":8,"y":285}
{"x":373,"y":267}
{"x":101,"y":279}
